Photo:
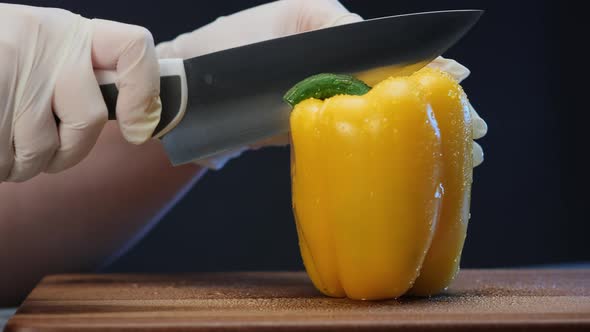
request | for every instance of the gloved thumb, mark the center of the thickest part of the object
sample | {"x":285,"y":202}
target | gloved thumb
{"x":130,"y":51}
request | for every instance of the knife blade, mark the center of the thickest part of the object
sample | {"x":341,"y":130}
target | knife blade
{"x":223,"y":100}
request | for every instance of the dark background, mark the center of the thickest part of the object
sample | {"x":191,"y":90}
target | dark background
{"x":528,"y":82}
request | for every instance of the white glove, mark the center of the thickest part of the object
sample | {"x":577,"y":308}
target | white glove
{"x":273,"y":20}
{"x":47,"y":58}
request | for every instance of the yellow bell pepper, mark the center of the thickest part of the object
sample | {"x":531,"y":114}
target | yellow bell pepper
{"x":381,"y":180}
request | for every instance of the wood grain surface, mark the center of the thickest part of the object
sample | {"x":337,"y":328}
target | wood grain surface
{"x":479,"y":300}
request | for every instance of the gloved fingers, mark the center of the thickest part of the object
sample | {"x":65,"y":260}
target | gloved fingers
{"x":318,"y":14}
{"x":479,"y":126}
{"x":35,"y":142}
{"x":78,"y":103}
{"x":455,"y":69}
{"x":477,"y":154}
{"x":130,"y":50}
{"x":248,"y":26}
{"x":264,"y":22}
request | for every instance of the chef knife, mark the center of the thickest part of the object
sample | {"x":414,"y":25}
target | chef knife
{"x":220,"y":101}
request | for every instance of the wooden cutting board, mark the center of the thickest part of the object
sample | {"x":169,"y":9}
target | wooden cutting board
{"x":482,"y":300}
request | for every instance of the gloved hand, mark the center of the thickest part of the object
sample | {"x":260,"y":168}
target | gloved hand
{"x":47,"y":58}
{"x":273,"y":20}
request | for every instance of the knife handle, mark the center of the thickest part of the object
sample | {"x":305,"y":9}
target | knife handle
{"x":173,"y":93}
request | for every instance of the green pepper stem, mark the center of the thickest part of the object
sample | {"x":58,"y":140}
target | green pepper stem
{"x":324,"y":86}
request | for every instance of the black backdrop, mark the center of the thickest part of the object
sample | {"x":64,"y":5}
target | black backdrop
{"x":528,"y":81}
